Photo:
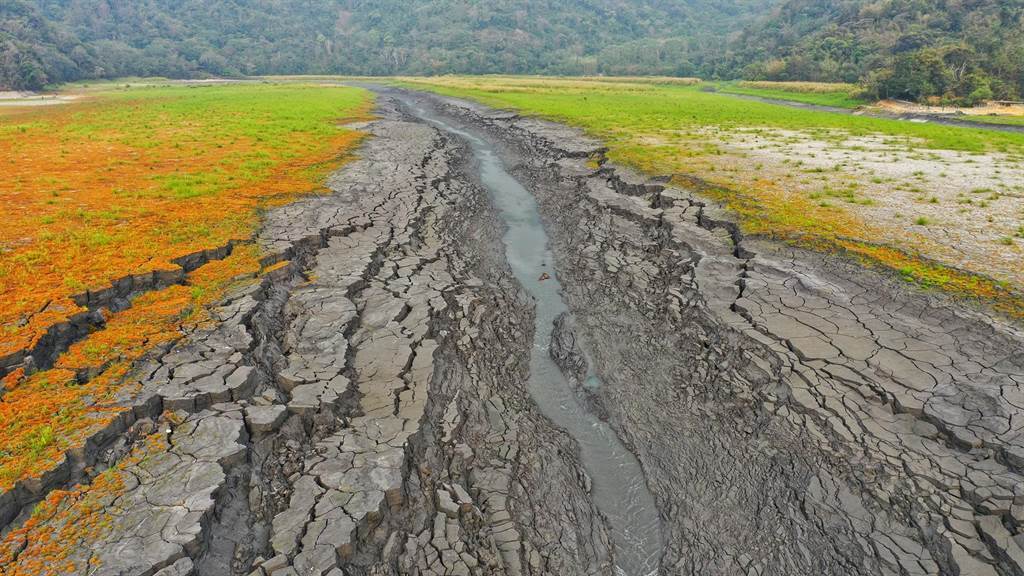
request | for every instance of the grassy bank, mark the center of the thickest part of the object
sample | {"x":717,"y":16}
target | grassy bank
{"x":1004,"y":120}
{"x":122,"y":182}
{"x":618,"y":112}
{"x":795,"y":196}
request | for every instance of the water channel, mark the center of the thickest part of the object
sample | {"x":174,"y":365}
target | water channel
{"x":619,"y":488}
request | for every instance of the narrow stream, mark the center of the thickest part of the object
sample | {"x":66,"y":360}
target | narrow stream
{"x":619,"y":488}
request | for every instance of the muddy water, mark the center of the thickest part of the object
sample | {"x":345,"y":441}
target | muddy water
{"x":619,"y":489}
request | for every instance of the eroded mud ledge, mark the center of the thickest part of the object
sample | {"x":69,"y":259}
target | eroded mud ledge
{"x":363,"y":410}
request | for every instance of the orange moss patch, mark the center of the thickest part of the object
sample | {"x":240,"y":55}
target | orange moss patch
{"x":68,"y":522}
{"x":45,"y":544}
{"x":278,"y":266}
{"x":125,"y":183}
{"x":12,"y":379}
{"x":48,"y":413}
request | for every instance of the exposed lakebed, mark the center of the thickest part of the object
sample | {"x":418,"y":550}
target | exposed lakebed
{"x":619,"y":487}
{"x":394,"y":401}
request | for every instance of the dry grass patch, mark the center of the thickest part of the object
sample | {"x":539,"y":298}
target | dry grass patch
{"x":802,"y":87}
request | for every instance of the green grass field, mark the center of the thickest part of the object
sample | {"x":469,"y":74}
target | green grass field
{"x":1004,"y":120}
{"x":614,"y":113}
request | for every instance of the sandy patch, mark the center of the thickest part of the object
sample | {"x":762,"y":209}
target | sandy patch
{"x":963,"y":209}
{"x":990,"y":109}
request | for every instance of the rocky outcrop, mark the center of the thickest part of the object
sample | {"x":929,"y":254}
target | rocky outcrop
{"x":794,"y":414}
{"x":566,"y":351}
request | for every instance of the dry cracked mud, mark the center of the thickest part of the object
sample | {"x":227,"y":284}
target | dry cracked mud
{"x":364,"y":409}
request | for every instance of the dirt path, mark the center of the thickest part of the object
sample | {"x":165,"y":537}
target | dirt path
{"x":365,"y":410}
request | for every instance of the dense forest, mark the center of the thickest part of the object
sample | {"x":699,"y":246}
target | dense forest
{"x":965,"y":50}
{"x":52,"y":41}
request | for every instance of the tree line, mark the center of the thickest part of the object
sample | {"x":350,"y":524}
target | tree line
{"x":52,"y":41}
{"x":938,"y":50}
{"x":962,"y":51}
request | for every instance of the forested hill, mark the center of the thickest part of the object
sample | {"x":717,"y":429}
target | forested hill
{"x":50,"y":41}
{"x":914,"y":49}
{"x":963,"y":50}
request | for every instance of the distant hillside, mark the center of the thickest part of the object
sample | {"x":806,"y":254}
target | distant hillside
{"x":49,"y":41}
{"x":915,"y":49}
{"x":963,"y":50}
{"x":33,"y":51}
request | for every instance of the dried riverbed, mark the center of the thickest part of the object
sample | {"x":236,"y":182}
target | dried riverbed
{"x":372,"y":407}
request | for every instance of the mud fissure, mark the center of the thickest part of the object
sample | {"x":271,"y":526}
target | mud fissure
{"x":115,"y":298}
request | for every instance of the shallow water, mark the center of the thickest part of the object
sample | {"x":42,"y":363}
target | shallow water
{"x":619,"y":489}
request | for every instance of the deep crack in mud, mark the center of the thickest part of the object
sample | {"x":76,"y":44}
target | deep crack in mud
{"x":619,"y":487}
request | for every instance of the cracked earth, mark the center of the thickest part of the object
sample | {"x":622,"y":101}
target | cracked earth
{"x":364,"y":409}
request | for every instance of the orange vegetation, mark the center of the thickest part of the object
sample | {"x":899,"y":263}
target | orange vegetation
{"x":120,"y":186}
{"x":47,"y":541}
{"x":53,"y":411}
{"x":123,"y":184}
{"x":63,"y":527}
